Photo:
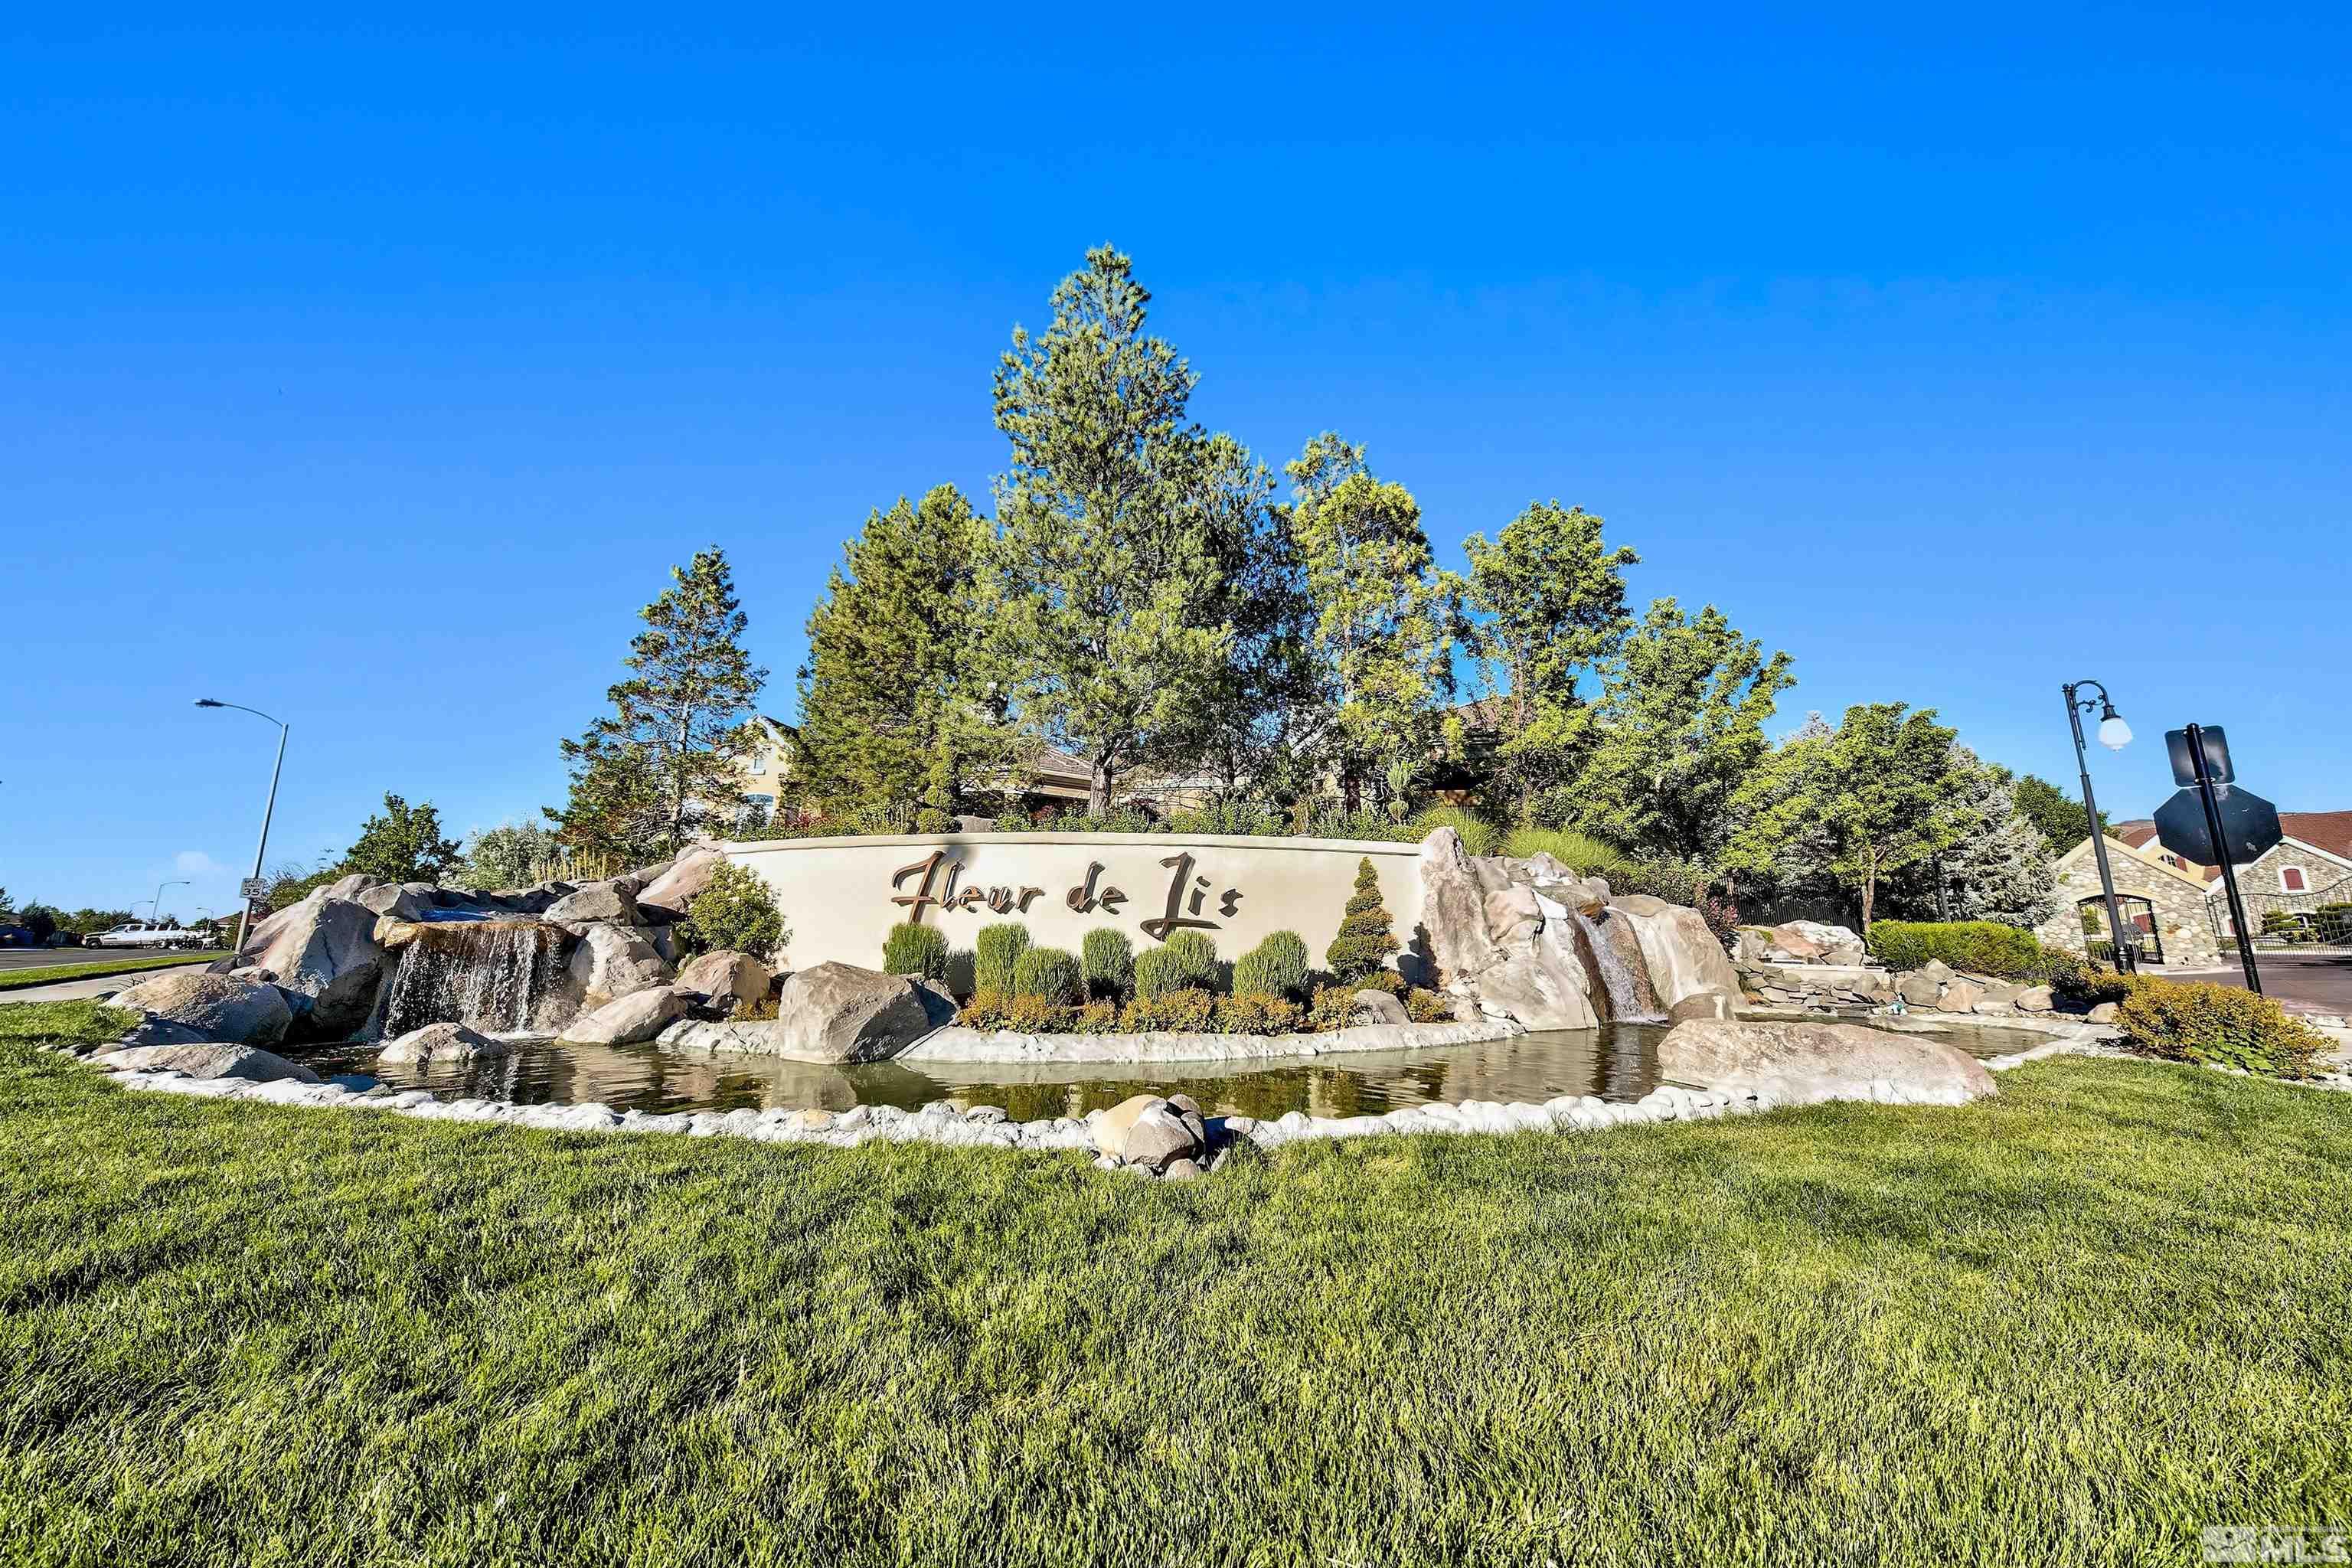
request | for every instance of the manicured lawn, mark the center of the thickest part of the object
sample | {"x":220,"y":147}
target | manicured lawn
{"x":2069,"y":1326}
{"x":18,"y":979}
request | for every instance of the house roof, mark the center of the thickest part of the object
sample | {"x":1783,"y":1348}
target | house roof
{"x":2329,"y":832}
{"x":2150,"y":854}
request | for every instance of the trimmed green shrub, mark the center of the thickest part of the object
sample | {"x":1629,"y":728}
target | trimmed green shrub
{"x":1330,"y":1009}
{"x":1365,"y":942}
{"x":1049,"y":975}
{"x":1108,"y":960}
{"x":1479,"y":835}
{"x":916,"y":949}
{"x":1978,"y":947}
{"x":1244,"y":1014}
{"x":1187,"y":1009}
{"x":960,"y":979}
{"x":2193,"y":1021}
{"x":1274,"y":967}
{"x":1196,"y":954}
{"x":995,"y":953}
{"x":1156,"y":973}
{"x":2085,"y":985}
{"x":734,"y":911}
{"x":1580,"y":852}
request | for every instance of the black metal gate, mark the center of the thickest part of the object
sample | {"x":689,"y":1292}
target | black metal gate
{"x":2139,"y":929}
{"x":2319,"y":920}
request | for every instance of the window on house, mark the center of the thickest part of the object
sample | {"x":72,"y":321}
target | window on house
{"x":758,"y":763}
{"x":2292,"y":880}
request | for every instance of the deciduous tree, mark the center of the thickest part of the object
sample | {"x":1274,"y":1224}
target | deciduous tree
{"x":403,"y":844}
{"x":1681,"y":726}
{"x":2055,"y":815}
{"x":1386,"y":616}
{"x":1554,"y":601}
{"x":1856,"y":805}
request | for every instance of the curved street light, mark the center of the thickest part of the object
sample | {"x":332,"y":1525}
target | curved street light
{"x":245,"y":914}
{"x":155,"y":904}
{"x":2115,"y":735}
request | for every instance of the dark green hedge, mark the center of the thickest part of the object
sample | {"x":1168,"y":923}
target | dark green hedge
{"x":1980,"y":947}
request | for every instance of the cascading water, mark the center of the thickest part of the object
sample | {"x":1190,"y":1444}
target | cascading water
{"x":1624,"y":976}
{"x":486,"y":974}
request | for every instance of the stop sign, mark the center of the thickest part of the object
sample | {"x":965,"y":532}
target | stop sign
{"x":2250,"y":826}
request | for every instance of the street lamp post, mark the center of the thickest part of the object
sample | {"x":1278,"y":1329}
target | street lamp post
{"x":2114,"y":734}
{"x":156,"y":905}
{"x":245,"y":915}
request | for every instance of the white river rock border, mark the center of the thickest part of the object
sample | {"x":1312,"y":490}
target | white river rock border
{"x":987,"y":1126}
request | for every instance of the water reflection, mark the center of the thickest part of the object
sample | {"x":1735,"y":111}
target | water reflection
{"x":1616,"y":1062}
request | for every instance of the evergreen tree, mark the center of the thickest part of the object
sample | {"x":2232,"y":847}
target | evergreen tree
{"x":1681,"y":726}
{"x":1109,"y":613}
{"x":892,"y":698}
{"x":656,"y":772}
{"x":403,"y":845}
{"x":1853,"y":807}
{"x":506,"y":856}
{"x":1998,"y":867}
{"x":1365,"y":942}
{"x":1554,"y":600}
{"x":1386,"y":618}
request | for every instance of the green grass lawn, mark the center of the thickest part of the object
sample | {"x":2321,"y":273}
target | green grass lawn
{"x":2071,"y":1325}
{"x":18,"y":979}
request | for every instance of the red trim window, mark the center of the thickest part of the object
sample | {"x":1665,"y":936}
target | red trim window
{"x":2292,"y":880}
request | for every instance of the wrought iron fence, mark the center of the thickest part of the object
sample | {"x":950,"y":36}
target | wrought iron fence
{"x":2317,"y":920}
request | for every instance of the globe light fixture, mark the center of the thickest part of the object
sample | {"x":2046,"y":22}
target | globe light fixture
{"x":2114,"y":733}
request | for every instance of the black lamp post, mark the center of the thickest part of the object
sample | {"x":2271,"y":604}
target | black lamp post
{"x":245,"y":916}
{"x":2114,"y":734}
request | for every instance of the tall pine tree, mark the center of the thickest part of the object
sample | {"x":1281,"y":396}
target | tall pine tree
{"x":1108,"y":605}
{"x":656,"y":772}
{"x":893,"y":701}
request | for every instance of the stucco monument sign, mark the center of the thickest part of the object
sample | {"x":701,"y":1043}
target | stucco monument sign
{"x":841,"y":896}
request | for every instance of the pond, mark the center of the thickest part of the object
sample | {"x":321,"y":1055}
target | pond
{"x":1617,"y":1062}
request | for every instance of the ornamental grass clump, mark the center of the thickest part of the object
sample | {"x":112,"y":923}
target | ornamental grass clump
{"x":1050,"y":975}
{"x":1196,"y":955}
{"x":1365,"y":942}
{"x":1108,"y":960}
{"x":1478,"y":835}
{"x":1274,"y":967}
{"x":1580,"y":852}
{"x":996,"y":950}
{"x":2193,"y":1021}
{"x":1156,"y":973}
{"x":918,"y":950}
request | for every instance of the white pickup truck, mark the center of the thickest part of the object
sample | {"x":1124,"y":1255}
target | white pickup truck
{"x":139,"y":934}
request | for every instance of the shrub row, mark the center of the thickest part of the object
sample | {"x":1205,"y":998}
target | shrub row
{"x":1188,"y":1010}
{"x":1979,"y":947}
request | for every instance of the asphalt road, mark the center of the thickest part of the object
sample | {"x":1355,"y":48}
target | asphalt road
{"x":2317,"y":982}
{"x":52,"y":957}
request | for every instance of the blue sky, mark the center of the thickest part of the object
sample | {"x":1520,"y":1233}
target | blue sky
{"x":375,"y":377}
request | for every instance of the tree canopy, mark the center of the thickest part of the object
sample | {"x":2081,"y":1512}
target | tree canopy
{"x":403,"y":844}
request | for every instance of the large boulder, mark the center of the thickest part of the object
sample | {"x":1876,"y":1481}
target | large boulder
{"x":327,"y":961}
{"x":218,"y":1007}
{"x":1504,"y":942}
{"x":1803,"y":1063}
{"x":1148,"y":1130}
{"x":612,"y":961}
{"x":1812,"y":942}
{"x":629,"y":1021}
{"x":840,"y":1012}
{"x":1685,"y":957}
{"x":208,"y":1061}
{"x":610,"y":902}
{"x":441,"y":1045}
{"x":725,"y":980}
{"x":401,"y":900}
{"x":1376,"y":1007}
{"x":665,"y":898}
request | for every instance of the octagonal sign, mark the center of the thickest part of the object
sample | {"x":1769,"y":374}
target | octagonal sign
{"x":2250,"y":826}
